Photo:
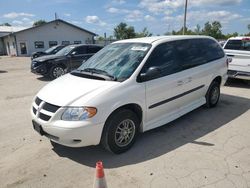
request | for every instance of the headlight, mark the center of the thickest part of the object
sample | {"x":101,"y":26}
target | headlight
{"x":78,"y":113}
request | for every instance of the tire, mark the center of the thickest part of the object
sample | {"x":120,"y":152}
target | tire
{"x":120,"y":131}
{"x":213,"y":94}
{"x":56,"y":71}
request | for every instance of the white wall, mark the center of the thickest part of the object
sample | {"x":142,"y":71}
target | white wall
{"x":51,"y":32}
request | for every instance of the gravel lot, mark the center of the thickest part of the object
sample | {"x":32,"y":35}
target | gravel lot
{"x":205,"y":148}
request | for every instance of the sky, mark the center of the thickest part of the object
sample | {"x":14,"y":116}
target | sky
{"x":101,"y":16}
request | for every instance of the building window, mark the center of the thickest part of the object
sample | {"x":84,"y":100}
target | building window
{"x":23,"y":48}
{"x":65,"y":42}
{"x":39,"y":44}
{"x":77,"y":42}
{"x":52,"y":43}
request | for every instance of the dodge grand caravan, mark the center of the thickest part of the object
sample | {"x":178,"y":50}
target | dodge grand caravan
{"x":130,"y":86}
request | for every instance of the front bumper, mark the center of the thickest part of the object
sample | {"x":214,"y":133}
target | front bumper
{"x":70,"y":133}
{"x":39,"y":69}
{"x":238,"y":74}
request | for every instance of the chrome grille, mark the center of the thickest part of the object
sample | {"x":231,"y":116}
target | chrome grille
{"x":44,"y":110}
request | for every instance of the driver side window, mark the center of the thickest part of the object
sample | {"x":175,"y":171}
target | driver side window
{"x":164,"y":58}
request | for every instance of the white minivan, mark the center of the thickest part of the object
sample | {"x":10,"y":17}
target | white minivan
{"x":130,"y":86}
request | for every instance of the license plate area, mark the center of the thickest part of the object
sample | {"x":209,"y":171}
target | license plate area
{"x":38,"y":127}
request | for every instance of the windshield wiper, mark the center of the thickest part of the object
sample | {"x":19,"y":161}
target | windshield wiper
{"x":98,"y":71}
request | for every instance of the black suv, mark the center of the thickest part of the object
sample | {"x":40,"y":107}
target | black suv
{"x":50,"y":51}
{"x":66,"y":60}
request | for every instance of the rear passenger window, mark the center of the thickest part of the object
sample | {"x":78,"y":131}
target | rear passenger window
{"x":190,"y":53}
{"x":79,"y":50}
{"x":164,"y":58}
{"x":93,"y":49}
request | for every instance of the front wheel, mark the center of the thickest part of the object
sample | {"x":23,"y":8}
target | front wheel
{"x":57,"y":71}
{"x":213,"y":94}
{"x":120,"y":131}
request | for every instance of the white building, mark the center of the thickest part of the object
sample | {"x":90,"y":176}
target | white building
{"x":40,"y":38}
{"x":6,"y":30}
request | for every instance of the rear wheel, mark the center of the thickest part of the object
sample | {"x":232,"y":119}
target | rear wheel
{"x":56,"y":71}
{"x":120,"y":131}
{"x":213,"y":94}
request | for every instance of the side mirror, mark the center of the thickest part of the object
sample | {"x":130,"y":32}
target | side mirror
{"x":152,"y":72}
{"x":72,"y":54}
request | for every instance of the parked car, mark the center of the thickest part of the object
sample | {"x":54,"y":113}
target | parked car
{"x":65,"y":60}
{"x":238,"y":49}
{"x":222,"y":42}
{"x":130,"y":86}
{"x":50,"y":51}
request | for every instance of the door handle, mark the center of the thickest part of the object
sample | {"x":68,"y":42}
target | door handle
{"x":179,"y":83}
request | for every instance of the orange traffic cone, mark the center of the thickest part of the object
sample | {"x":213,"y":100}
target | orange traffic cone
{"x":100,"y":181}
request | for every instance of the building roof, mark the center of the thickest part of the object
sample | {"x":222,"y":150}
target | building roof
{"x":10,"y":29}
{"x":57,"y":20}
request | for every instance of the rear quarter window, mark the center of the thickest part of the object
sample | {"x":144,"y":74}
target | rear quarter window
{"x":195,"y":52}
{"x":212,"y":50}
{"x":93,"y":49}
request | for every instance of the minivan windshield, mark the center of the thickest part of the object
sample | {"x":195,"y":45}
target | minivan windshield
{"x":65,"y":50}
{"x":118,"y":60}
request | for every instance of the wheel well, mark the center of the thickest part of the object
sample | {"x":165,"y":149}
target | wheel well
{"x":217,"y":79}
{"x":60,"y":65}
{"x":133,"y":107}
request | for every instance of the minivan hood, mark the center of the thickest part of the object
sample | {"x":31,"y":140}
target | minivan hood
{"x":48,"y":57}
{"x":67,"y":89}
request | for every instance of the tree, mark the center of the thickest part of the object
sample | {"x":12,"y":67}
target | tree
{"x":100,"y":38}
{"x":235,"y":34}
{"x":39,"y":22}
{"x":144,"y":33}
{"x":123,"y":31}
{"x":213,"y":30}
{"x":207,"y":29}
{"x":197,"y":30}
{"x":5,"y":24}
{"x":180,"y":32}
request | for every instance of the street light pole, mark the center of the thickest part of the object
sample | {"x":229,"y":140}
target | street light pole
{"x":185,"y":18}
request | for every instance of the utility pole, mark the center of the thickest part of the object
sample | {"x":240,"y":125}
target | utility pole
{"x":56,"y":17}
{"x":185,"y":17}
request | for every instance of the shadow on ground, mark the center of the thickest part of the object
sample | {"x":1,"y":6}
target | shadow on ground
{"x":238,"y":83}
{"x":43,"y":78}
{"x":3,"y":71}
{"x":162,"y":140}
